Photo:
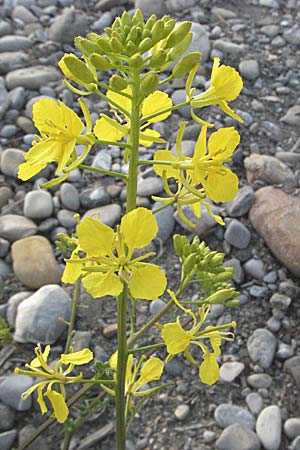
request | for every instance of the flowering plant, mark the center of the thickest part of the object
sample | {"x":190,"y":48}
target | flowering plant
{"x":104,"y":260}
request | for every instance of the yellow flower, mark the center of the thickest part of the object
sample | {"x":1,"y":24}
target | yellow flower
{"x":178,"y":340}
{"x":151,"y":370}
{"x":225,"y":86}
{"x":60,"y":129}
{"x":58,"y":375}
{"x":108,"y":263}
{"x":114,"y":130}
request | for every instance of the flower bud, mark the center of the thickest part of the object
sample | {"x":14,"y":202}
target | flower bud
{"x":180,"y":48}
{"x":75,"y":69}
{"x":104,"y":45}
{"x":220,"y":296}
{"x":158,"y":58}
{"x":118,"y":83}
{"x":136,"y":61}
{"x":86,"y":46}
{"x":146,"y":33}
{"x":116,"y":45}
{"x":169,"y":26}
{"x":189,"y":263}
{"x":138,"y":18}
{"x":133,"y":34}
{"x":224,"y":276}
{"x":233,"y":303}
{"x":125,"y":19}
{"x":145,"y":45}
{"x":117,"y":25}
{"x":177,"y":242}
{"x":99,"y":62}
{"x":185,"y":64}
{"x":178,"y":34}
{"x":217,"y":259}
{"x":149,"y":83}
{"x":150,"y":22}
{"x":157,"y":32}
{"x":131,"y":48}
{"x":186,"y":250}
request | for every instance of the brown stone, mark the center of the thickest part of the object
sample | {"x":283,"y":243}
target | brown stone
{"x":110,"y":330}
{"x":34,"y":263}
{"x":269,"y":170}
{"x":276,"y":217}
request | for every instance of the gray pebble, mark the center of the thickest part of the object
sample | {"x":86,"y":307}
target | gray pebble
{"x":249,"y":69}
{"x":69,"y":196}
{"x":4,"y":247}
{"x":258,"y":291}
{"x":209,"y":436}
{"x":238,"y":275}
{"x":284,"y":351}
{"x":229,"y":48}
{"x":261,"y":347}
{"x":81,"y":340}
{"x":149,"y":186}
{"x":5,"y":269}
{"x":165,"y":222}
{"x":93,"y":197}
{"x":273,"y":324}
{"x":14,"y":227}
{"x":292,"y":427}
{"x":255,"y":268}
{"x":182,"y":412}
{"x":11,"y":389}
{"x":260,"y":380}
{"x":104,"y":21}
{"x":149,"y":7}
{"x":108,"y":214}
{"x":10,"y":160}
{"x":156,"y":306}
{"x":268,"y":427}
{"x":12,"y":43}
{"x":175,"y":367}
{"x":238,"y":437}
{"x":237,"y":234}
{"x":229,"y":371}
{"x":255,"y":403}
{"x":5,"y":194}
{"x":31,"y":77}
{"x":227,"y":414}
{"x":13,"y":304}
{"x":102,"y":160}
{"x":68,"y":25}
{"x":7,"y":418}
{"x":296,"y":444}
{"x":38,"y":205}
{"x":7,"y":439}
{"x":242,"y":202}
{"x":66,"y":218}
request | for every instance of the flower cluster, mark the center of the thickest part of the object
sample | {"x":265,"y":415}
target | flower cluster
{"x":58,"y":375}
{"x":108,"y":263}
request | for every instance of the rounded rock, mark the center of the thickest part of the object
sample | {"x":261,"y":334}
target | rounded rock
{"x":249,"y":69}
{"x":182,"y":412}
{"x":38,"y":205}
{"x":69,"y":196}
{"x":227,"y":414}
{"x":261,"y":347}
{"x":238,"y":437}
{"x":268,"y":427}
{"x":292,"y":427}
{"x":237,"y":234}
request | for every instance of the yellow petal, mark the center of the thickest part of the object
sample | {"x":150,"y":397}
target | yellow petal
{"x":108,"y":129}
{"x":36,"y":363}
{"x":221,"y":187}
{"x":129,"y":370}
{"x":149,"y":136}
{"x":139,"y":227}
{"x":200,"y":146}
{"x":100,"y":284}
{"x":165,"y":155}
{"x":95,"y":238}
{"x":122,"y":101}
{"x":175,"y":337}
{"x":227,"y":110}
{"x":27,"y":170}
{"x":82,"y":357}
{"x":222,"y":143}
{"x":227,"y":82}
{"x":196,"y":208}
{"x":72,"y":270}
{"x":61,"y":64}
{"x":113,"y":361}
{"x":147,"y":281}
{"x":40,"y":399}
{"x":209,"y":369}
{"x":151,"y":370}
{"x":63,"y":154}
{"x":158,"y":101}
{"x":60,"y":408}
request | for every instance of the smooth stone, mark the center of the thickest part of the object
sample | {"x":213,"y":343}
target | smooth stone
{"x":204,"y":224}
{"x":292,"y":36}
{"x":13,"y":304}
{"x":224,"y":13}
{"x":14,"y":227}
{"x":238,"y":274}
{"x":27,"y":432}
{"x":32,"y":77}
{"x":11,"y":389}
{"x":4,"y":247}
{"x":255,"y":403}
{"x":237,"y":234}
{"x":175,"y":367}
{"x":102,"y":160}
{"x":261,"y":347}
{"x":292,"y":366}
{"x":200,"y":41}
{"x":7,"y":418}
{"x":156,"y":306}
{"x":275,"y":216}
{"x":255,"y":268}
{"x":8,"y":131}
{"x":5,"y":194}
{"x":104,"y":21}
{"x":149,"y":186}
{"x":179,"y":5}
{"x":42,"y":317}
{"x":149,"y":7}
{"x":38,"y":205}
{"x":5,"y":28}
{"x":292,"y":427}
{"x":284,"y":351}
{"x":12,"y":60}
{"x":269,"y":3}
{"x":81,"y":340}
{"x":268,"y":427}
{"x":68,"y":25}
{"x":108,"y":214}
{"x":242,"y":202}
{"x":238,"y":437}
{"x":260,"y":380}
{"x":5,"y":269}
{"x":11,"y":158}
{"x":229,"y":371}
{"x":179,"y":96}
{"x":34,"y":263}
{"x":280,"y":301}
{"x":249,"y":69}
{"x":269,"y":170}
{"x":14,"y":43}
{"x":273,"y":324}
{"x":69,"y":196}
{"x":296,"y":444}
{"x":182,"y":412}
{"x":66,"y":218}
{"x":270,"y":30}
{"x":4,"y":98}
{"x":270,"y":277}
{"x":93,"y":197}
{"x":165,"y":222}
{"x":187,"y":148}
{"x":227,"y":414}
{"x":209,"y":436}
{"x":292,"y":116}
{"x":229,"y":48}
{"x":7,"y":439}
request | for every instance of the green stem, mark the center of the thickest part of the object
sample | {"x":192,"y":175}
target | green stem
{"x":103,"y":171}
{"x":73,"y":314}
{"x":160,"y":113}
{"x":112,"y":143}
{"x":146,"y":347}
{"x":112,"y":103}
{"x":161,"y":208}
{"x":152,"y":162}
{"x":121,"y":371}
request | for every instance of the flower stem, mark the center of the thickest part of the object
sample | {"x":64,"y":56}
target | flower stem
{"x":73,"y":314}
{"x":104,"y":172}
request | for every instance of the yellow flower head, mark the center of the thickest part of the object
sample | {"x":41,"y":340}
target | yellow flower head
{"x":225,"y":86}
{"x":114,"y":130}
{"x":60,"y":129}
{"x":178,"y":340}
{"x":151,"y":370}
{"x":108,"y":263}
{"x":39,"y":368}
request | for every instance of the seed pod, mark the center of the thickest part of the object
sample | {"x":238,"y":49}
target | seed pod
{"x":104,"y":45}
{"x":75,"y":69}
{"x":177,"y":242}
{"x":158,"y":59}
{"x":136,"y":61}
{"x":224,"y":276}
{"x":180,"y":48}
{"x":149,"y":83}
{"x":157,"y":32}
{"x":86,"y":46}
{"x":100,"y":62}
{"x":185,"y":64}
{"x":220,"y":296}
{"x":233,"y":303}
{"x":116,"y":45}
{"x":178,"y":34}
{"x":118,"y":83}
{"x":145,"y":45}
{"x":189,"y":263}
